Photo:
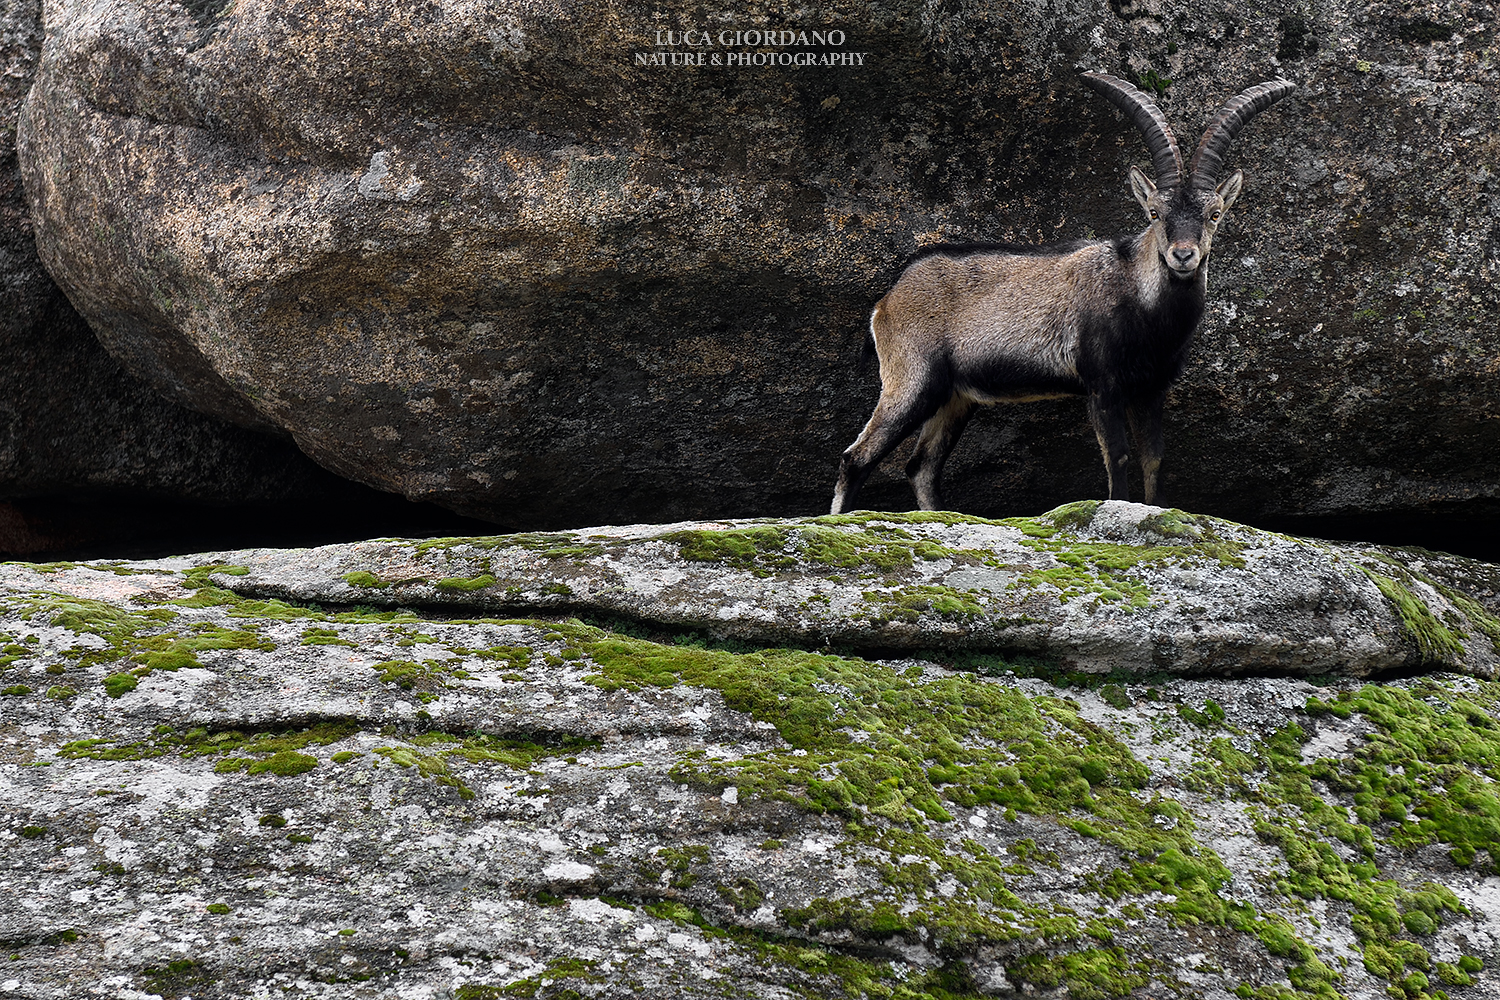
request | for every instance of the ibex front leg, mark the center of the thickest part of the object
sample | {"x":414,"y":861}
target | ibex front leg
{"x":1108,"y":417}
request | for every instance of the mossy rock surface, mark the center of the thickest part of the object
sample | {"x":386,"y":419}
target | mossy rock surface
{"x":329,"y":799}
{"x":1093,"y":586}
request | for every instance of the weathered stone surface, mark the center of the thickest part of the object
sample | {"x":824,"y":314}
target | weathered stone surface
{"x":207,"y":795}
{"x":473,"y":253}
{"x":73,"y":423}
{"x":1099,"y":587}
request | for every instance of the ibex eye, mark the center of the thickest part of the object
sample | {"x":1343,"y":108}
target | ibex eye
{"x":1154,"y":215}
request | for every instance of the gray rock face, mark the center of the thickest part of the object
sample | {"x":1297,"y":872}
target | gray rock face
{"x":479,"y":255}
{"x":72,"y":422}
{"x":206,"y":794}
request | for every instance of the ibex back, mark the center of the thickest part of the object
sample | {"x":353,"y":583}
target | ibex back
{"x":1110,"y":320}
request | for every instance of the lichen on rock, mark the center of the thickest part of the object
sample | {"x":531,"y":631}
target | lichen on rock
{"x":438,"y":799}
{"x":1093,"y":586}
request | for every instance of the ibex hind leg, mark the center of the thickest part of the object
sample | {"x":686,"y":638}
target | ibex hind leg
{"x":936,"y":442}
{"x":1145,"y":424}
{"x":1108,"y":418}
{"x":892,"y":422}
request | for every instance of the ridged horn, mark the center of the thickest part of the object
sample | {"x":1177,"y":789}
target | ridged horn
{"x":1227,"y":123}
{"x":1141,"y":110}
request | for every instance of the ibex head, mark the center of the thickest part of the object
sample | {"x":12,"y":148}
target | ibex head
{"x":1186,"y":204}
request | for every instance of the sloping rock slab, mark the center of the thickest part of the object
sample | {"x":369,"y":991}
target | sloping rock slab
{"x":1094,"y":586}
{"x":210,"y":796}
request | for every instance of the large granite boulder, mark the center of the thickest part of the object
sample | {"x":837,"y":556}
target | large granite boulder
{"x":92,"y":456}
{"x":481,"y":254}
{"x":211,"y":794}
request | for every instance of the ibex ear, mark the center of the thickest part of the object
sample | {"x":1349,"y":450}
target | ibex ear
{"x":1229,"y":190}
{"x":1141,"y":186}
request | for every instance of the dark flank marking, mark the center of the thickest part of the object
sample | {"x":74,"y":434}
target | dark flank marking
{"x":1005,"y":376}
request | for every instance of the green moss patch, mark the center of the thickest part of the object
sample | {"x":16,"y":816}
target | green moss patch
{"x":910,"y":604}
{"x":863,"y":518}
{"x":324,"y":637}
{"x":894,"y":751}
{"x":428,"y":765}
{"x":236,"y":606}
{"x":173,"y":651}
{"x":908,"y":758}
{"x":1437,"y":638}
{"x":1107,"y":572}
{"x":1090,"y":974}
{"x":363,"y":578}
{"x":758,"y":548}
{"x":520,"y":755}
{"x":549,"y":545}
{"x":152,"y":639}
{"x":119,"y":685}
{"x":548,"y":983}
{"x":1074,"y":516}
{"x":1479,"y":617}
{"x":118,"y":628}
{"x":1426,"y":774}
{"x":281,"y":753}
{"x":512,"y":657}
{"x":1435,"y":642}
{"x":431,"y":754}
{"x":11,"y":650}
{"x":465,"y":584}
{"x":284,"y":763}
{"x":411,"y":675}
{"x":1423,"y":776}
{"x":281,"y":746}
{"x":813,"y":970}
{"x":765,"y":549}
{"x":1198,"y":532}
{"x":179,"y":977}
{"x":198,"y":576}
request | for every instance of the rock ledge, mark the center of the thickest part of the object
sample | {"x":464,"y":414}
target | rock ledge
{"x":214,"y":793}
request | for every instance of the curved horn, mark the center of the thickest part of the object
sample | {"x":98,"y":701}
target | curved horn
{"x":1226,"y":124}
{"x":1147,"y":117}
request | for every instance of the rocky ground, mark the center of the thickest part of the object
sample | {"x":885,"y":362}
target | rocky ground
{"x":410,"y":775}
